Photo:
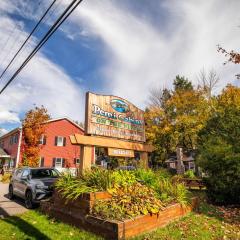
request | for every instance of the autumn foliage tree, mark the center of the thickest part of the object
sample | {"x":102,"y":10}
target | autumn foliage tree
{"x":232,"y":56}
{"x":33,"y":129}
{"x":175,"y":120}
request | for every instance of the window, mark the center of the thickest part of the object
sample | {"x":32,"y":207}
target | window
{"x":76,"y":161}
{"x":60,"y":141}
{"x":2,"y":144}
{"x":18,"y":173}
{"x":172,"y":165}
{"x":44,"y":173}
{"x":15,"y":138}
{"x":43,"y":140}
{"x":58,"y":162}
{"x":41,"y":162}
{"x":11,"y":140}
{"x":25,"y":173}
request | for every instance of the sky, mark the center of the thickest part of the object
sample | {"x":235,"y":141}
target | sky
{"x":123,"y":48}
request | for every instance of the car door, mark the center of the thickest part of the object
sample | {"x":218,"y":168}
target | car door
{"x":16,"y":181}
{"x":23,"y":183}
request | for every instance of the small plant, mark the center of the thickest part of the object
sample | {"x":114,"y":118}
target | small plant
{"x":173,"y":192}
{"x":189,"y":174}
{"x":128,"y":202}
{"x":71,"y":188}
{"x":6,"y":178}
{"x":147,"y":177}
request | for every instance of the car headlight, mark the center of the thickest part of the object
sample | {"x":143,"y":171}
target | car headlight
{"x":43,"y":187}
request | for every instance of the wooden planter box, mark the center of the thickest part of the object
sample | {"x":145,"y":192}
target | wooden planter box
{"x":78,"y":213}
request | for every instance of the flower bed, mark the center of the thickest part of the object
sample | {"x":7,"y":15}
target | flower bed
{"x":78,"y":213}
{"x":106,"y":202}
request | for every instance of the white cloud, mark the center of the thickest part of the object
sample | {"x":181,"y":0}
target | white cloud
{"x":138,"y":54}
{"x":141,"y":55}
{"x":3,"y":131}
{"x":41,"y":82}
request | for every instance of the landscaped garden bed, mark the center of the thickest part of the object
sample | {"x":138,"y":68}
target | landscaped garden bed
{"x":130,"y":202}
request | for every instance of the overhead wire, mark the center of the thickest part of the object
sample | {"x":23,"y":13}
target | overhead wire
{"x":31,"y":33}
{"x":15,"y":38}
{"x":71,"y":7}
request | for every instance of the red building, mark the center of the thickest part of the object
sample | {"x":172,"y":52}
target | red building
{"x":56,"y":149}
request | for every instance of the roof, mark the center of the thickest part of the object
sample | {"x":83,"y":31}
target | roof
{"x":3,"y":153}
{"x":65,"y":118}
{"x":51,"y":120}
{"x":11,"y":132}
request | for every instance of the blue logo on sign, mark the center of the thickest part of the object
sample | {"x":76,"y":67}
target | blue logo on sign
{"x":119,"y":105}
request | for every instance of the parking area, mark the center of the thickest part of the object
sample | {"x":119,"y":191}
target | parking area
{"x":7,"y":206}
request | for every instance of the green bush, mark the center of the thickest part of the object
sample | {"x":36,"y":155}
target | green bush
{"x":127,"y":202}
{"x":222,"y":166}
{"x":6,"y":178}
{"x":189,"y":174}
{"x":173,"y":192}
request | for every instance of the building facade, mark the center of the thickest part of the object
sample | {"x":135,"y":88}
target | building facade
{"x":56,"y":149}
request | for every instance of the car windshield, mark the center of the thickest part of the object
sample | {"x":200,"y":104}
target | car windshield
{"x":44,"y":173}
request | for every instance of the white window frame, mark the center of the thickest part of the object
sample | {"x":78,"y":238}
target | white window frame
{"x":41,"y":140}
{"x":60,"y":143}
{"x":40,"y":161}
{"x":59,"y":164}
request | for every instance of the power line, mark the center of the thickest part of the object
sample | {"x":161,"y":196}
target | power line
{"x":15,"y":38}
{"x":72,"y":6}
{"x":36,"y":26}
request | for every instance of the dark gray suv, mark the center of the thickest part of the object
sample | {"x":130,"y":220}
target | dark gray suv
{"x":32,"y":184}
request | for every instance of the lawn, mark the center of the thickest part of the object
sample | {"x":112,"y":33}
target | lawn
{"x":210,"y":222}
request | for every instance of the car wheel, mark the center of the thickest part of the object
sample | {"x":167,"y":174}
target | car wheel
{"x":10,"y":192}
{"x":28,"y":200}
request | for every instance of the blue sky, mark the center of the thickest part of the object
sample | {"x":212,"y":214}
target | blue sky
{"x":114,"y":47}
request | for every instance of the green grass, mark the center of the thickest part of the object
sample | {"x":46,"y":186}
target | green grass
{"x":34,"y":225}
{"x":209,"y":223}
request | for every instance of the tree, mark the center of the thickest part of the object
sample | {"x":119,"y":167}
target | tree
{"x":33,"y":129}
{"x":158,"y":97}
{"x":182,"y":84}
{"x":219,"y":150}
{"x":208,"y":82}
{"x":177,"y":121}
{"x":232,"y":56}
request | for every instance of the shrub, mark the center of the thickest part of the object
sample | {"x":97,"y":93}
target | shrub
{"x":173,"y":192}
{"x":189,"y":174}
{"x":6,"y":178}
{"x":113,"y":181}
{"x":91,"y":181}
{"x":222,"y":166}
{"x":147,"y":177}
{"x":128,"y":202}
{"x":71,"y":187}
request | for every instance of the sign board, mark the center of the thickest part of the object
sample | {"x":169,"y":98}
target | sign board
{"x":115,"y":117}
{"x":120,"y":152}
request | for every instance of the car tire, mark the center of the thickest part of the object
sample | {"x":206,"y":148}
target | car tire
{"x":29,"y":200}
{"x":10,"y":192}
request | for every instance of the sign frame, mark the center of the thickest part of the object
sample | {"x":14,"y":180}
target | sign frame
{"x":104,"y":117}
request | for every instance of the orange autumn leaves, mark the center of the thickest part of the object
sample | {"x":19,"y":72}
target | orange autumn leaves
{"x":33,"y":129}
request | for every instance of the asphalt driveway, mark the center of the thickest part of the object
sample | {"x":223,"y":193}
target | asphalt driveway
{"x":9,"y":207}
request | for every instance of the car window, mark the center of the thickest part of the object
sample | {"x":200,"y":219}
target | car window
{"x":18,"y":173}
{"x":25,"y":173}
{"x":44,"y":173}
